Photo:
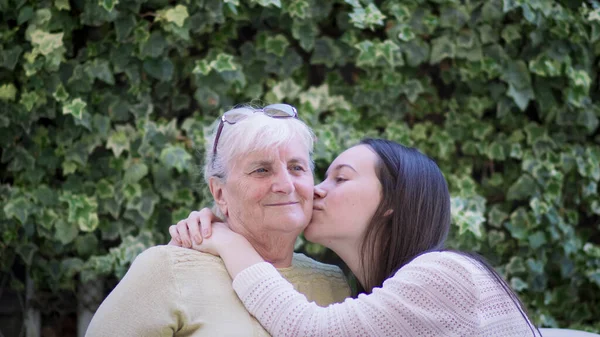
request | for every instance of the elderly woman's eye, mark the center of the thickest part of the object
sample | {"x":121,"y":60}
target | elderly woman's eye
{"x":298,"y":168}
{"x":261,"y":170}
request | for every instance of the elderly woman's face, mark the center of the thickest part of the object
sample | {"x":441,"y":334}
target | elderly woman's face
{"x":270,"y":190}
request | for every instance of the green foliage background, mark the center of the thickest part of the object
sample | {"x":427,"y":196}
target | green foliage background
{"x":105,"y":103}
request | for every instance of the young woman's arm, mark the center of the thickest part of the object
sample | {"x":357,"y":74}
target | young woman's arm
{"x":434,"y":295}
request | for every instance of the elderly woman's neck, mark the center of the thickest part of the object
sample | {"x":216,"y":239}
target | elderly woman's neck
{"x":275,"y":247}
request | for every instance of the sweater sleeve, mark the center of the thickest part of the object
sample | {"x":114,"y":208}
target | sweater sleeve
{"x":432,"y":295}
{"x":144,"y":301}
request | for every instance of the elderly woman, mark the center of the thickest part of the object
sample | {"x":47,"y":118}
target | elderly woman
{"x":259,"y":171}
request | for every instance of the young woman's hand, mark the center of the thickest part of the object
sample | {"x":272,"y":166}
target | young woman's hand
{"x":221,"y":239}
{"x":194,"y":229}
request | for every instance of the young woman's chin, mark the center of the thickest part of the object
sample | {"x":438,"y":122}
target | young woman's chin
{"x":313,"y":231}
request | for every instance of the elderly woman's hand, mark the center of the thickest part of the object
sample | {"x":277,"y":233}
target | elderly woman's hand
{"x":197,"y":226}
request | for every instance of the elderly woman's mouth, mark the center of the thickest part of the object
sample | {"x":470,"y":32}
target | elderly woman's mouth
{"x":283,"y":203}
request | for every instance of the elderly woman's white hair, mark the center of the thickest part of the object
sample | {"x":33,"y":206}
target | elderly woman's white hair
{"x":254,"y":133}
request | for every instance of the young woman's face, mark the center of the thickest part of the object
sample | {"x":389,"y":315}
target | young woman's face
{"x":346,"y":200}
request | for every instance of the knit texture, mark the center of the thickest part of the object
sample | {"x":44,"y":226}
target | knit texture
{"x":173,"y":291}
{"x":437,"y":294}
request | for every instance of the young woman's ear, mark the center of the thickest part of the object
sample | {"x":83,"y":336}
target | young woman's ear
{"x":218,"y":193}
{"x":388,"y":212}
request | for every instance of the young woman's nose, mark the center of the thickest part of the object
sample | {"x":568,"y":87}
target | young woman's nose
{"x":320,"y":192}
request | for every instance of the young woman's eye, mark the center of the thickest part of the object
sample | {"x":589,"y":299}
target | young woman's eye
{"x":340,"y":179}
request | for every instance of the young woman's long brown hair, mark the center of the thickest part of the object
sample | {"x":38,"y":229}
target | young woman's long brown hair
{"x":413,"y":187}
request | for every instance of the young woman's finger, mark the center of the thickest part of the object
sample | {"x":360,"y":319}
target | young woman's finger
{"x":205,"y":218}
{"x":193,"y":225}
{"x":175,"y":240}
{"x":184,"y":235}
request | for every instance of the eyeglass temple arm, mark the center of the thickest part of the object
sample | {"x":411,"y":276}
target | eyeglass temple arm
{"x":218,"y":135}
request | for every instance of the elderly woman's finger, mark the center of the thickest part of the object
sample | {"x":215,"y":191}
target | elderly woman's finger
{"x":194,"y":228}
{"x":205,"y":218}
{"x":175,"y":240}
{"x":184,"y":235}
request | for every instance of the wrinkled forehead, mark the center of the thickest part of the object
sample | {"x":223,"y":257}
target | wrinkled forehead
{"x":292,"y":151}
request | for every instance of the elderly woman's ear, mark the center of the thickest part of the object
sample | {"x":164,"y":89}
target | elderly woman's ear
{"x":216,"y":189}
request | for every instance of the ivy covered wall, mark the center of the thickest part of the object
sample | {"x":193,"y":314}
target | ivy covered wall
{"x":104,"y":105}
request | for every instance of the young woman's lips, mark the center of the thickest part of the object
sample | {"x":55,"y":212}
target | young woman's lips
{"x":317,"y":208}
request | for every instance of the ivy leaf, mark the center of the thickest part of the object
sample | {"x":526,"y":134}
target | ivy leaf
{"x":25,"y":14}
{"x":267,"y":3}
{"x":412,"y":89}
{"x":496,"y":216}
{"x":276,"y":45}
{"x":154,"y":46}
{"x":144,"y":204}
{"x":8,"y":92}
{"x":135,"y":173}
{"x":453,"y":17}
{"x":286,"y":89}
{"x":109,"y":5}
{"x":202,"y":68}
{"x":545,"y":66}
{"x":45,"y":42}
{"x":518,"y":284}
{"x":442,"y":48}
{"x":76,"y":107}
{"x":366,"y":17}
{"x":10,"y":57}
{"x":579,"y":78}
{"x":66,"y":231}
{"x":100,"y":69}
{"x":406,"y":33}
{"x":537,"y":239}
{"x":416,"y":51}
{"x":86,"y":244}
{"x":118,"y":141}
{"x":511,"y":33}
{"x":495,"y":151}
{"x":388,"y":50}
{"x":305,"y":33}
{"x":123,"y":26}
{"x":466,"y":217}
{"x":520,"y":96}
{"x":222,"y":63}
{"x":160,"y":69}
{"x":367,"y":54}
{"x":298,"y":9}
{"x":60,"y":94}
{"x":62,"y":4}
{"x":18,"y":208}
{"x":524,"y":187}
{"x":175,"y":15}
{"x":26,"y":252}
{"x":176,"y":157}
{"x":82,"y":211}
{"x":31,"y":99}
{"x":104,"y":189}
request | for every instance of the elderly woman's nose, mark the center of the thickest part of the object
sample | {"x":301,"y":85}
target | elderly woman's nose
{"x":283,"y":183}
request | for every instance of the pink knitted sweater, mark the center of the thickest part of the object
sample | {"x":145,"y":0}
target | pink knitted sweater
{"x":437,"y":294}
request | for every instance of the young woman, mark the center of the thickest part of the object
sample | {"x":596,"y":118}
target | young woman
{"x":385,"y":210}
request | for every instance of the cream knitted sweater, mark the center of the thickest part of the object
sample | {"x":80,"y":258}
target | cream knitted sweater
{"x":437,"y":294}
{"x":173,"y":291}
